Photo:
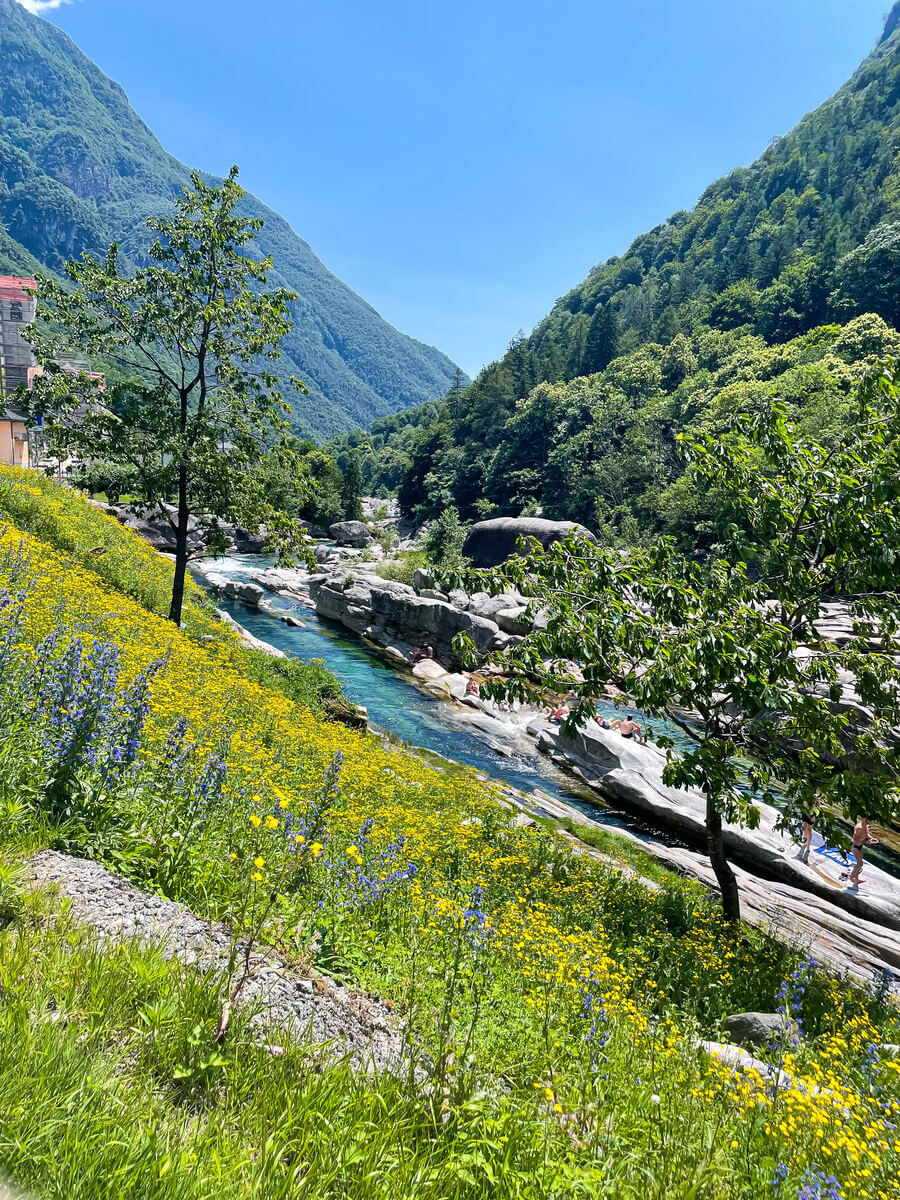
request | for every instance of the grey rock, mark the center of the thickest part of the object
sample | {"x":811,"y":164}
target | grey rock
{"x":489,"y":543}
{"x":510,"y":620}
{"x":351,"y":1023}
{"x":350,"y":533}
{"x":459,"y":599}
{"x":433,"y":594}
{"x":760,"y":1028}
{"x":422,"y":579}
{"x":248,"y":593}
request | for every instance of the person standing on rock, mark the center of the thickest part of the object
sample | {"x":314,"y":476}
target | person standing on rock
{"x":861,"y":838}
{"x":808,"y":814}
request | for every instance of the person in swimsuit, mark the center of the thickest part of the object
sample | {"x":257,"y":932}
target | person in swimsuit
{"x":808,"y":814}
{"x":861,"y":838}
{"x":630,"y":729}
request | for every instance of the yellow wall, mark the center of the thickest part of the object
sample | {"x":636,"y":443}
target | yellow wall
{"x":13,"y":453}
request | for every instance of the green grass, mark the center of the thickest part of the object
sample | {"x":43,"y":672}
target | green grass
{"x":553,"y":1001}
{"x":65,"y":519}
{"x":402,"y":567}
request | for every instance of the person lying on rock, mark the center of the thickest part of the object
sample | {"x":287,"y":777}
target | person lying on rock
{"x":629,"y":728}
{"x":607,"y":722}
{"x":558,"y":715}
{"x":418,"y":655}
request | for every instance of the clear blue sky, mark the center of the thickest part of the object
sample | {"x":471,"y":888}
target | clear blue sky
{"x":462,"y":164}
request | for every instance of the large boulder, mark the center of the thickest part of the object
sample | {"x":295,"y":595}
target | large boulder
{"x":247,"y":593}
{"x":350,"y":533}
{"x":488,"y":606}
{"x":761,"y":1028}
{"x":489,"y":543}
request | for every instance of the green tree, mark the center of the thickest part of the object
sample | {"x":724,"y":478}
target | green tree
{"x":194,"y":332}
{"x":868,"y":276}
{"x":351,"y":490}
{"x":323,"y":504}
{"x":732,"y":640}
{"x":445,"y":537}
{"x":602,"y":343}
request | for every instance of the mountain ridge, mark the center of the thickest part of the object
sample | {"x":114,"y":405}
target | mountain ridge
{"x":79,"y":168}
{"x":581,"y":418}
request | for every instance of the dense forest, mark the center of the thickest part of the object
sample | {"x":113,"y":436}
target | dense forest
{"x":79,"y":168}
{"x":757,"y":288}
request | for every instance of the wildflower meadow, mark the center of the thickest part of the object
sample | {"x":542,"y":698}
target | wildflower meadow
{"x":552,"y":1006}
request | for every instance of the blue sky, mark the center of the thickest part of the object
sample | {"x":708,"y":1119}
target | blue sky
{"x":462,"y":164}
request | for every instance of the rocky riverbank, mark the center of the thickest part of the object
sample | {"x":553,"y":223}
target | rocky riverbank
{"x":859,"y":926}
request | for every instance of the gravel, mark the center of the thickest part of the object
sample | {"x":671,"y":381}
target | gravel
{"x":341,"y":1021}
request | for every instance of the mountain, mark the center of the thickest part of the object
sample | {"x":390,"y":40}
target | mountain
{"x":79,"y":169}
{"x":580,"y":417}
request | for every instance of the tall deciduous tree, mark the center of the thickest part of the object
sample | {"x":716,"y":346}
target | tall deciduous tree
{"x":351,"y":489}
{"x":728,"y":649}
{"x":191,"y":333}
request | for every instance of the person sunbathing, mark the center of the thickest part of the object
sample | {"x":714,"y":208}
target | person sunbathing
{"x":629,"y":728}
{"x":559,"y":715}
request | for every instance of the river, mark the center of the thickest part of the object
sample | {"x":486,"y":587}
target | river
{"x":396,"y":705}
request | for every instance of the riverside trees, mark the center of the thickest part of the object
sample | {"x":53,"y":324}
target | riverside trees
{"x":726,"y":647}
{"x":191,"y":335}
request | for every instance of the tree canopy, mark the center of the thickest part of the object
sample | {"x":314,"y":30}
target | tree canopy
{"x":727,"y":646}
{"x":192,"y":333}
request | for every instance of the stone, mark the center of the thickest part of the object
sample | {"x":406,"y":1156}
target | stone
{"x":423,"y":579}
{"x":433,"y":594}
{"x":334,"y":1021}
{"x":510,"y":620}
{"x":350,"y":533}
{"x":760,"y":1028}
{"x":248,"y":593}
{"x":489,"y":543}
{"x":459,"y":599}
{"x":489,"y":606}
{"x":429,"y":669}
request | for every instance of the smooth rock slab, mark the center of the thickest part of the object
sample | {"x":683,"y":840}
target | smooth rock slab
{"x":320,"y":1011}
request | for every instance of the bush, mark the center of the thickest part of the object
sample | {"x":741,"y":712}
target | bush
{"x":445,"y":537}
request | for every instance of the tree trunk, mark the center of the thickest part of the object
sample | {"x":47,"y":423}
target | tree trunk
{"x":181,"y":547}
{"x":731,"y":900}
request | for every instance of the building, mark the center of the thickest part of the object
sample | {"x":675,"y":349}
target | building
{"x":14,"y":443}
{"x":16,"y":366}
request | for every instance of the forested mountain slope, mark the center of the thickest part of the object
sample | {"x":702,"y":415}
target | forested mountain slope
{"x":79,"y":168}
{"x":807,"y":236}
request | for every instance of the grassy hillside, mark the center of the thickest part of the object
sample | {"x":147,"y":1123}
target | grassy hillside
{"x":553,"y":1001}
{"x":79,"y":168}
